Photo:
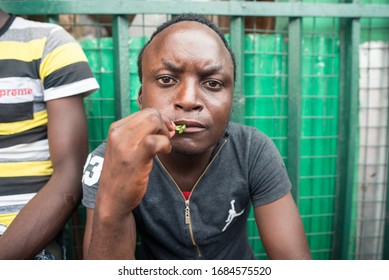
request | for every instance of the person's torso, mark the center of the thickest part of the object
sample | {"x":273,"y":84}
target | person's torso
{"x":202,"y":226}
{"x":245,"y":169}
{"x":38,"y":62}
{"x":25,"y":164}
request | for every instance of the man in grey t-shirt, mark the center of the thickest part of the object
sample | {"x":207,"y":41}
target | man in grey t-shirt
{"x":178,"y":172}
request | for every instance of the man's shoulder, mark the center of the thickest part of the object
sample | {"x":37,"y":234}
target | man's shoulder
{"x":49,"y":35}
{"x":237,"y":130}
{"x":22,"y":23}
{"x":100,"y":150}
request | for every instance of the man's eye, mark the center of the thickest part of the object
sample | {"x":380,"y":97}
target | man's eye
{"x":166,"y":80}
{"x":212,"y":84}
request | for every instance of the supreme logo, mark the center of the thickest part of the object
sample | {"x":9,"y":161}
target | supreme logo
{"x":17,"y":95}
{"x":15,"y":92}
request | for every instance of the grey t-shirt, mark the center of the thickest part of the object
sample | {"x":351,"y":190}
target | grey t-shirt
{"x":212,"y":224}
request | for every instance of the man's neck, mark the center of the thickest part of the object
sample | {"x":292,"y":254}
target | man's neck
{"x":3,"y":18}
{"x":185,"y":169}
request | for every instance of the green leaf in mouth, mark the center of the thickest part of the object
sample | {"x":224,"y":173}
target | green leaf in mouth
{"x":180,"y":128}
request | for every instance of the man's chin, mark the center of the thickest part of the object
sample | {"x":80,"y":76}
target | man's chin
{"x":190,"y":149}
{"x":186,"y":151}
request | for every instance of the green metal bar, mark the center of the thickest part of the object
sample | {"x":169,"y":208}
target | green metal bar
{"x":52,"y":19}
{"x":237,"y":46}
{"x":122,"y":71}
{"x":228,"y":8}
{"x":294,"y":103}
{"x":385,"y":254}
{"x":347,"y":135}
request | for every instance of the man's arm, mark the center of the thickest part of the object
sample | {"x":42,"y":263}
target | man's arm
{"x":132,"y":143}
{"x":281,"y":230}
{"x":45,"y":215}
{"x":124,"y":238}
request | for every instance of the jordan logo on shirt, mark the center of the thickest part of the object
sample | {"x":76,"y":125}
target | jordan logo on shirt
{"x":232,"y":214}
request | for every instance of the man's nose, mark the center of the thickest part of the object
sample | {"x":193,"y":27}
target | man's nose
{"x":188,"y":97}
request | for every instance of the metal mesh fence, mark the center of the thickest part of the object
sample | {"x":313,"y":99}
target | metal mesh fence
{"x":266,"y":81}
{"x":266,"y":107}
{"x":266,"y":97}
{"x":371,"y":184}
{"x":320,"y":91}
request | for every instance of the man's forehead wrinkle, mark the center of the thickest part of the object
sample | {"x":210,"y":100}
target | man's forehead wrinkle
{"x":209,"y":66}
{"x":170,"y":65}
{"x":185,"y":40}
{"x":188,"y":52}
{"x":182,"y":31}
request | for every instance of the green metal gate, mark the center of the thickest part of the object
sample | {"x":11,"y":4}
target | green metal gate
{"x":300,"y":81}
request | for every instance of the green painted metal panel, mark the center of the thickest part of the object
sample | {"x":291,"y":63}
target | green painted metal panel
{"x":135,"y":45}
{"x":348,"y":114}
{"x":318,"y":149}
{"x":237,"y":46}
{"x":266,"y":107}
{"x":266,"y":100}
{"x":294,"y":104}
{"x":101,"y":106}
{"x":122,"y":73}
{"x":231,"y":8}
{"x":265,"y":86}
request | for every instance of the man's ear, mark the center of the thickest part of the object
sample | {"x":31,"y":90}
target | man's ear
{"x":139,"y":100}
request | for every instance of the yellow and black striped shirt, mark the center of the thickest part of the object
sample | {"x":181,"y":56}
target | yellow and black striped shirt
{"x":38,"y":62}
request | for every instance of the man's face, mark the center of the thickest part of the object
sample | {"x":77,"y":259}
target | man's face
{"x":188,"y":77}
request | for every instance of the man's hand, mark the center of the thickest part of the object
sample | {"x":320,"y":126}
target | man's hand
{"x":131,"y":145}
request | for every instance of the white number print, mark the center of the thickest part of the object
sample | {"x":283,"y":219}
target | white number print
{"x":92,"y":170}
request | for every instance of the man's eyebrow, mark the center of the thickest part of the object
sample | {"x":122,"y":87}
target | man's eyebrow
{"x":204,"y":72}
{"x":211,"y":70}
{"x":171,"y":66}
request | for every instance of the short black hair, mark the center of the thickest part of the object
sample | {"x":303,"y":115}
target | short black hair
{"x":186,"y":17}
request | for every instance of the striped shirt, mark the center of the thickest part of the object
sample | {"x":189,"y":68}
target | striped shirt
{"x":39,"y":62}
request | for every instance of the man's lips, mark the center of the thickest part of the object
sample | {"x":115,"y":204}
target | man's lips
{"x":191,"y":125}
